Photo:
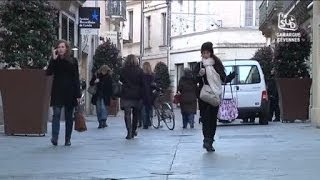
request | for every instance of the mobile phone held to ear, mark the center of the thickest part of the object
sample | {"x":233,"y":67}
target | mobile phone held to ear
{"x":56,"y":51}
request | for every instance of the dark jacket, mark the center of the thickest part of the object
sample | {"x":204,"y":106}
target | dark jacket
{"x":272,"y":90}
{"x":132,"y":85}
{"x":188,"y":88}
{"x":66,"y":82}
{"x":104,"y":88}
{"x":147,"y":79}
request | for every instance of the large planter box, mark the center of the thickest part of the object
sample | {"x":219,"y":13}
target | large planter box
{"x":294,"y":98}
{"x":26,"y":99}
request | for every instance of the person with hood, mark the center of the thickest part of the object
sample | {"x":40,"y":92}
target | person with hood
{"x":188,"y":102}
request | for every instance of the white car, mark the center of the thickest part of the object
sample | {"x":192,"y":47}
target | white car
{"x":249,"y":90}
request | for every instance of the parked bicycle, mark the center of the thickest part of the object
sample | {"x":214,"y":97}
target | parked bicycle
{"x":162,"y":111}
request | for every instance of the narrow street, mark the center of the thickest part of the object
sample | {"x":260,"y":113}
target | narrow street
{"x":276,"y":151}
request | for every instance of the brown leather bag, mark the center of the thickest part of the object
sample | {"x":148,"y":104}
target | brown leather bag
{"x":80,"y":122}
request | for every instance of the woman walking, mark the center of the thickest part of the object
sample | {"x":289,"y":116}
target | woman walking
{"x":65,"y":89}
{"x":188,"y":102}
{"x":101,"y":99}
{"x":148,"y":80}
{"x":210,"y":72}
{"x":131,"y":96}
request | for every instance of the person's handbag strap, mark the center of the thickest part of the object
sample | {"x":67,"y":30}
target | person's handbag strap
{"x":224,"y":90}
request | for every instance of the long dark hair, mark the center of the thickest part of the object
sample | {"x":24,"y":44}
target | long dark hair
{"x":131,"y":61}
{"x":217,"y":62}
{"x":67,"y":55}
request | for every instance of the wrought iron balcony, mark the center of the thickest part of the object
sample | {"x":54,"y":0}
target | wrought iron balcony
{"x":268,"y":15}
{"x":263,"y":12}
{"x":116,"y":9}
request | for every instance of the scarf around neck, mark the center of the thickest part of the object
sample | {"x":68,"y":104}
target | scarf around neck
{"x":212,"y":76}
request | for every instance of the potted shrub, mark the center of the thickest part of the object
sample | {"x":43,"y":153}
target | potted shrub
{"x":107,"y":53}
{"x":162,"y":79}
{"x":293,"y":79}
{"x":26,"y":38}
{"x":264,"y":56}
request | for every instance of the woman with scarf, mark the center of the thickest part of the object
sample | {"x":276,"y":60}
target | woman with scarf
{"x":210,"y":71}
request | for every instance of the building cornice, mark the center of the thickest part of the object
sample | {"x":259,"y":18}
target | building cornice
{"x":217,"y":30}
{"x":154,"y":7}
{"x":220,"y":46}
{"x":132,"y":2}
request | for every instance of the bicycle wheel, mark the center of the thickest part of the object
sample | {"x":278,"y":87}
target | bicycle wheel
{"x":155,"y":118}
{"x":168,"y":116}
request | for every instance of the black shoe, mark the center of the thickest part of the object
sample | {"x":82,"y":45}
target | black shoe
{"x":129,"y":135}
{"x":67,"y":143}
{"x":276,"y":120}
{"x":100,"y":125}
{"x":191,"y":126}
{"x":207,"y":144}
{"x":145,"y":127}
{"x":134,"y":133}
{"x":104,"y":124}
{"x":54,"y":141}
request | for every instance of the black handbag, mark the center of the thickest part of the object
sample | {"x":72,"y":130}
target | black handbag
{"x":117,"y":89}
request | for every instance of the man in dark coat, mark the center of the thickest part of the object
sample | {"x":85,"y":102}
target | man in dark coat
{"x":274,"y":98}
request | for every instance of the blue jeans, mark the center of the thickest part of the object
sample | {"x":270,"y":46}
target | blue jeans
{"x":146,"y":115}
{"x":187,"y":118}
{"x":68,"y":113}
{"x":101,"y":109}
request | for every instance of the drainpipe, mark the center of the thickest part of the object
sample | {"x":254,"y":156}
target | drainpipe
{"x":142,"y":33}
{"x":168,"y":32}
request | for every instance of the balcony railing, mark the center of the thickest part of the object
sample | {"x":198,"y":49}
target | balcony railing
{"x":116,"y":9}
{"x":269,"y":10}
{"x":263,"y":12}
{"x":287,"y":5}
{"x":273,"y":8}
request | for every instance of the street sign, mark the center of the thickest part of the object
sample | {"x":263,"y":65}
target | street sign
{"x":113,"y":36}
{"x":89,"y":17}
{"x":89,"y":31}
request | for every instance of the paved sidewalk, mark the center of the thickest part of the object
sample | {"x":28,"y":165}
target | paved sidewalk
{"x":274,"y":152}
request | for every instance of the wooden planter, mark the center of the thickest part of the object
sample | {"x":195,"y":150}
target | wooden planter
{"x":26,"y":99}
{"x":294,"y":98}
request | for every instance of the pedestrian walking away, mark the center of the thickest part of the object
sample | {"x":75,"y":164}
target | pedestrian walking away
{"x":65,"y":89}
{"x":188,"y":99}
{"x":131,"y":96}
{"x":148,"y":80}
{"x":102,"y":97}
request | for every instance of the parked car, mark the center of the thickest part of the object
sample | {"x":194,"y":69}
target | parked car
{"x":249,"y":90}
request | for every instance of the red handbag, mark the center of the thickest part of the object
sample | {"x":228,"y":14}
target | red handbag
{"x":177,"y":98}
{"x":79,"y":121}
